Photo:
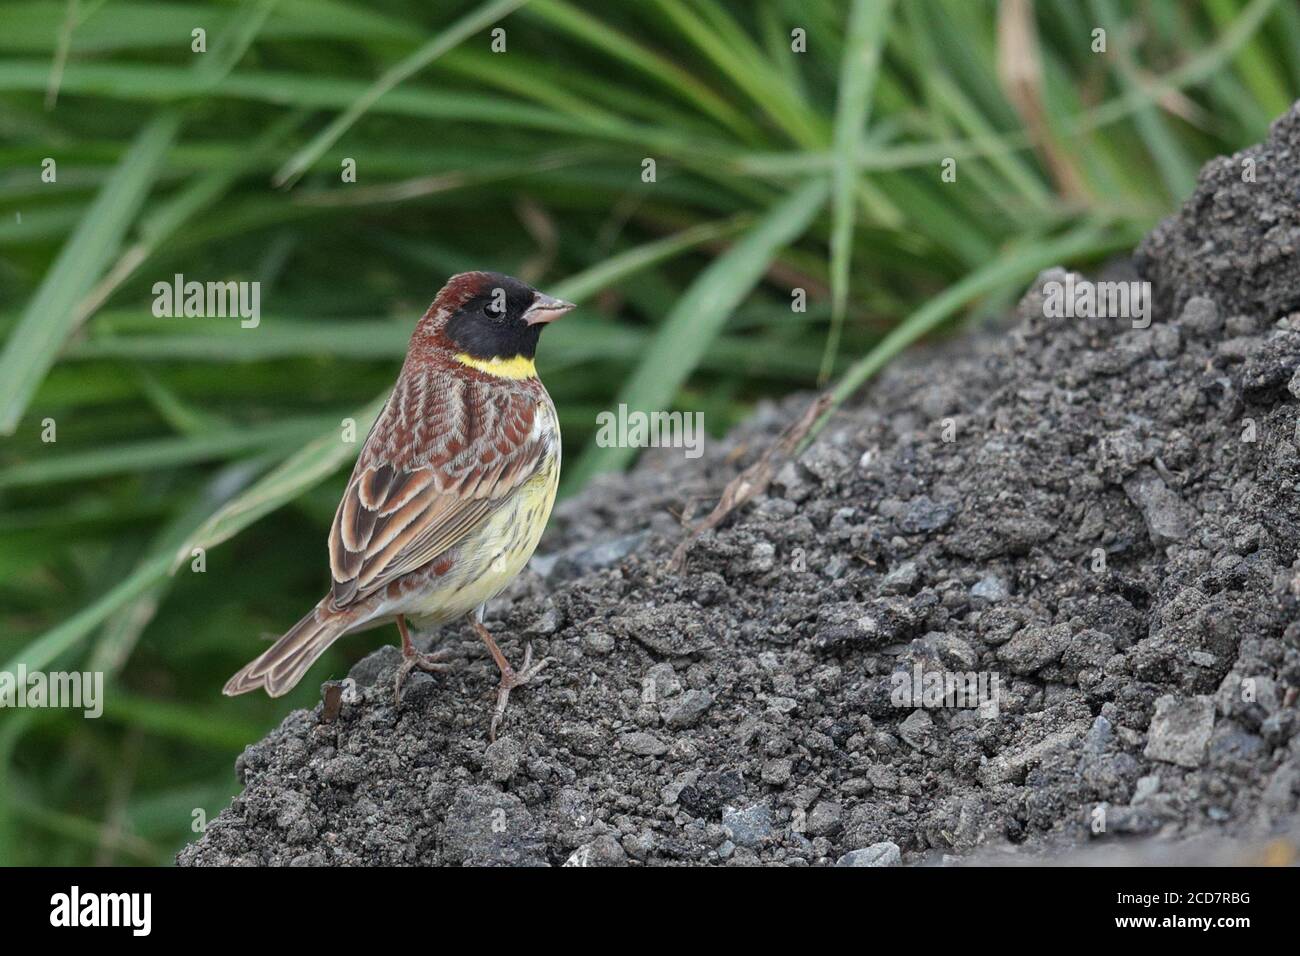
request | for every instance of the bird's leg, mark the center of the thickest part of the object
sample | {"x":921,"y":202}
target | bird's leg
{"x":510,"y":678}
{"x":411,"y":659}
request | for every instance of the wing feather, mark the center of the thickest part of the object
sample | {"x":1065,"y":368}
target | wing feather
{"x":445,"y":453}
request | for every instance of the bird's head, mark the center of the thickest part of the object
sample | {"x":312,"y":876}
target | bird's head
{"x":490,"y":321}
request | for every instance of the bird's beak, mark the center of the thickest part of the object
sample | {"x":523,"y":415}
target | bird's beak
{"x":545,"y":308}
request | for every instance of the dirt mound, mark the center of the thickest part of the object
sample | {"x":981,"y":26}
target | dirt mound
{"x":1102,"y":519}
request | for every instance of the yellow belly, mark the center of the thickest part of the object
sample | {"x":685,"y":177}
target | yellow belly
{"x":491,"y":557}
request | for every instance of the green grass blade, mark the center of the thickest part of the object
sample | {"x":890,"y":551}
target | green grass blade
{"x":1266,"y":81}
{"x":158,"y":453}
{"x":168,"y":84}
{"x":1175,"y":167}
{"x":159,"y":224}
{"x":581,"y":24}
{"x":62,"y":638}
{"x":189,"y":725}
{"x":699,"y":314}
{"x":1197,"y":69}
{"x":580,"y":287}
{"x":721,"y":41}
{"x":306,"y":468}
{"x":50,"y":316}
{"x":868,"y":21}
{"x":121,"y":632}
{"x":91,"y":832}
{"x":459,"y":31}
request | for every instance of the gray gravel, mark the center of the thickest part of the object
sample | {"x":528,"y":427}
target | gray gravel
{"x":1112,"y":533}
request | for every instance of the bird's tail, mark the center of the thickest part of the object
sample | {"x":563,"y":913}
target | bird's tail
{"x":280,"y":668}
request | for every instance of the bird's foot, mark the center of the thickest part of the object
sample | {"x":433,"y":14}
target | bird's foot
{"x":435,"y":663}
{"x":510,"y":679}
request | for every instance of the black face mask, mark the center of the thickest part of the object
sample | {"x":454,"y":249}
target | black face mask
{"x":491,"y":325}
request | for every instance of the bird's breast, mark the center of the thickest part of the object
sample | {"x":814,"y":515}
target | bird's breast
{"x":492,"y":555}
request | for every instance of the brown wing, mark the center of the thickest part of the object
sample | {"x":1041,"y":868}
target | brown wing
{"x":444,"y":453}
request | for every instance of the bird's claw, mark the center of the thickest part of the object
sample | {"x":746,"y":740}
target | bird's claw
{"x":434,"y":663}
{"x":510,"y":679}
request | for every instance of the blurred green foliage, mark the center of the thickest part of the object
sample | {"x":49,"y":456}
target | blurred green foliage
{"x":819,"y":168}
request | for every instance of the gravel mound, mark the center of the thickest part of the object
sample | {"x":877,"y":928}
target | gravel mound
{"x":1098,"y":522}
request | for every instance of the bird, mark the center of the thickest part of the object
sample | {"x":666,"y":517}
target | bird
{"x":450,"y":493}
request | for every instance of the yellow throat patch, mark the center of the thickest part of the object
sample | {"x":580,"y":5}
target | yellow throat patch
{"x":517,"y":367}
